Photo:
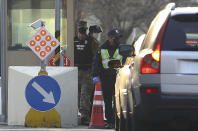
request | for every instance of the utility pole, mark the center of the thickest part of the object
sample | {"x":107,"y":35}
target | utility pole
{"x":3,"y":117}
{"x":57,"y":30}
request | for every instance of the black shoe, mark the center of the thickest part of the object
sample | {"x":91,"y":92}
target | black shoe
{"x":109,"y":126}
{"x":84,"y":121}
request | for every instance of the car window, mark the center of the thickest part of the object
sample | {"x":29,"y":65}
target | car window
{"x":154,"y":29}
{"x":148,"y":36}
{"x":138,"y":44}
{"x":181,"y":33}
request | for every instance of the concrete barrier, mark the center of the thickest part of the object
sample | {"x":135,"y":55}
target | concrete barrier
{"x":19,"y":77}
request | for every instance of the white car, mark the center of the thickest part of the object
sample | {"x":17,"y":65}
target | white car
{"x":161,"y":82}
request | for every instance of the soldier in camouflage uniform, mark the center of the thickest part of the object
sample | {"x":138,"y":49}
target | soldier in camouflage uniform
{"x":84,"y":49}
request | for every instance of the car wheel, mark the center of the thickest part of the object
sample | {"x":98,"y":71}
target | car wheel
{"x":129,"y":122}
{"x":120,"y":123}
{"x":132,"y":123}
{"x":117,"y":121}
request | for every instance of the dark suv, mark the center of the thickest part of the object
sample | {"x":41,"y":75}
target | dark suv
{"x":160,"y":83}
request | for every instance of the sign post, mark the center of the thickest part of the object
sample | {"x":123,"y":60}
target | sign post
{"x":57,"y":30}
{"x":43,"y":68}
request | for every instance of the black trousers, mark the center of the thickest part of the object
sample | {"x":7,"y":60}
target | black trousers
{"x":108,"y":90}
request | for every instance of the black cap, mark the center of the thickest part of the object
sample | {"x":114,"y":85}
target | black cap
{"x":82,"y":24}
{"x":95,"y":29}
{"x":114,"y":33}
{"x":82,"y":27}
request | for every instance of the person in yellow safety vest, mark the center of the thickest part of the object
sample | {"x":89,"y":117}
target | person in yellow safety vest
{"x":107,"y":76}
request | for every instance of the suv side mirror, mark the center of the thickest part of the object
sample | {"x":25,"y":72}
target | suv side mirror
{"x":126,"y":50}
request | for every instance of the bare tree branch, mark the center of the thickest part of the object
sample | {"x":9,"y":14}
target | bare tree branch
{"x":125,"y":14}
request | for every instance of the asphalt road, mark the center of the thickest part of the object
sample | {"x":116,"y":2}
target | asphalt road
{"x":175,"y":126}
{"x":155,"y":127}
{"x":21,"y":128}
{"x":181,"y":125}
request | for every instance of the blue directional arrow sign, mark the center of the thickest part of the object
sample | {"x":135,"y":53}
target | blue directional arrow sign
{"x":42,"y":93}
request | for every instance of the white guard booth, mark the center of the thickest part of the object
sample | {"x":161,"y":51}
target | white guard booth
{"x":20,"y":76}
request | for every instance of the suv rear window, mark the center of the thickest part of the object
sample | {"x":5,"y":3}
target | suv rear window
{"x":181,"y":33}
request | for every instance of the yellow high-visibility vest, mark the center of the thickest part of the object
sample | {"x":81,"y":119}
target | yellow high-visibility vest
{"x":106,"y":57}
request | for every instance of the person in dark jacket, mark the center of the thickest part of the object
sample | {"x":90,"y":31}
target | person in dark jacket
{"x":107,"y":76}
{"x":84,"y":50}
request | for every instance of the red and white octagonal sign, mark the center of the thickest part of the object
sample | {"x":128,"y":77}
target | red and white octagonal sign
{"x":43,"y":43}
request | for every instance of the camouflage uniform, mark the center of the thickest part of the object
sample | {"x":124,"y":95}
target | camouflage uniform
{"x":83,"y":55}
{"x":84,"y":49}
{"x":85,"y":89}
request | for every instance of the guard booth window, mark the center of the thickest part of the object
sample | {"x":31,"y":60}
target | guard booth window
{"x":21,"y":13}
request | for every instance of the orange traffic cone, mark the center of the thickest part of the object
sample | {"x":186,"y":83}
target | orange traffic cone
{"x":97,"y":119}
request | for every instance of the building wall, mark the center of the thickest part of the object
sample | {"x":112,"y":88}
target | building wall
{"x":21,"y":13}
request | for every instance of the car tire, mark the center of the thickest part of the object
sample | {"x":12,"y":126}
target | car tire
{"x":126,"y":124}
{"x":116,"y":122}
{"x":120,"y":123}
{"x":133,"y":123}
